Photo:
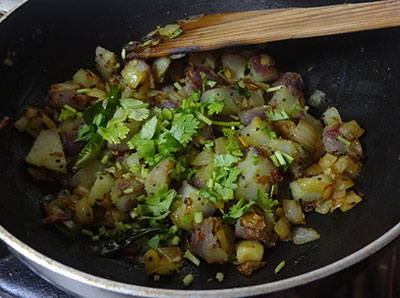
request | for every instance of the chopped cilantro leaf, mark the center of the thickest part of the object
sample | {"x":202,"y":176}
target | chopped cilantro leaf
{"x":208,"y":146}
{"x":275,"y":161}
{"x":144,"y":171}
{"x":266,"y":202}
{"x":231,"y":178}
{"x":184,"y":127}
{"x":177,"y":86}
{"x":176,"y":33}
{"x":95,"y":141}
{"x":167,"y":144}
{"x":92,"y":150}
{"x":209,"y":195}
{"x":98,"y":120}
{"x":211,"y":83}
{"x":69,"y":108}
{"x":196,"y":95}
{"x":203,"y":118}
{"x":154,"y":242}
{"x":190,"y":172}
{"x":156,"y":206}
{"x":144,"y":148}
{"x":287,"y":157}
{"x":188,"y":255}
{"x":273,"y":89}
{"x":279,"y":267}
{"x":281,"y":159}
{"x":237,"y":210}
{"x":180,"y":168}
{"x":271,"y":134}
{"x":160,"y":202}
{"x":344,"y":140}
{"x":276,"y":115}
{"x":84,"y":90}
{"x":232,"y":144}
{"x":137,"y":110}
{"x":116,"y":130}
{"x":223,"y":123}
{"x":215,"y":107}
{"x":205,"y":82}
{"x":85,"y":133}
{"x":149,"y":128}
{"x":222,"y":184}
{"x":225,"y":193}
{"x":66,"y":114}
{"x":114,"y":133}
{"x":225,"y":160}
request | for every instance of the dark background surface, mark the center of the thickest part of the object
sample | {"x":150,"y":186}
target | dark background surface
{"x":359,"y":72}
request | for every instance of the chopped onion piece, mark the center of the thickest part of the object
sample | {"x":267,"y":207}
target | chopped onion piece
{"x":293,"y":212}
{"x":316,"y":98}
{"x":303,"y":235}
{"x":331,"y":117}
{"x":282,"y":228}
{"x":169,"y":29}
{"x":190,"y":19}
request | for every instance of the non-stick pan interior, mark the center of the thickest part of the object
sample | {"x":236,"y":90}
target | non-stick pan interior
{"x":358,"y":72}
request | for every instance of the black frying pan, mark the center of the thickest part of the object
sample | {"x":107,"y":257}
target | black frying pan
{"x":358,"y":72}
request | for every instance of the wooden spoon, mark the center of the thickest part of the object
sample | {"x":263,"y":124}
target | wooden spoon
{"x":215,"y":31}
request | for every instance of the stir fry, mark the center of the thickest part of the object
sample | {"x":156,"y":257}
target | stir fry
{"x":210,"y":157}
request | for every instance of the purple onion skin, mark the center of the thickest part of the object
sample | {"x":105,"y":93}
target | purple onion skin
{"x":293,"y":81}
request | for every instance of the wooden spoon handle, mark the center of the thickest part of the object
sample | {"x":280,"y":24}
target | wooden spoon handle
{"x":239,"y":28}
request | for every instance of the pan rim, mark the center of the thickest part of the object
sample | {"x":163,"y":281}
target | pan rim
{"x":8,"y":13}
{"x":129,"y":289}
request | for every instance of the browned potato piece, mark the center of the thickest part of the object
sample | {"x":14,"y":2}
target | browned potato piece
{"x":102,"y":186}
{"x":184,"y":208}
{"x":162,"y":261}
{"x":159,"y":176}
{"x":106,"y":62}
{"x":254,"y":176}
{"x":249,"y":251}
{"x":213,"y":241}
{"x":47,"y":151}
{"x":250,"y":266}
